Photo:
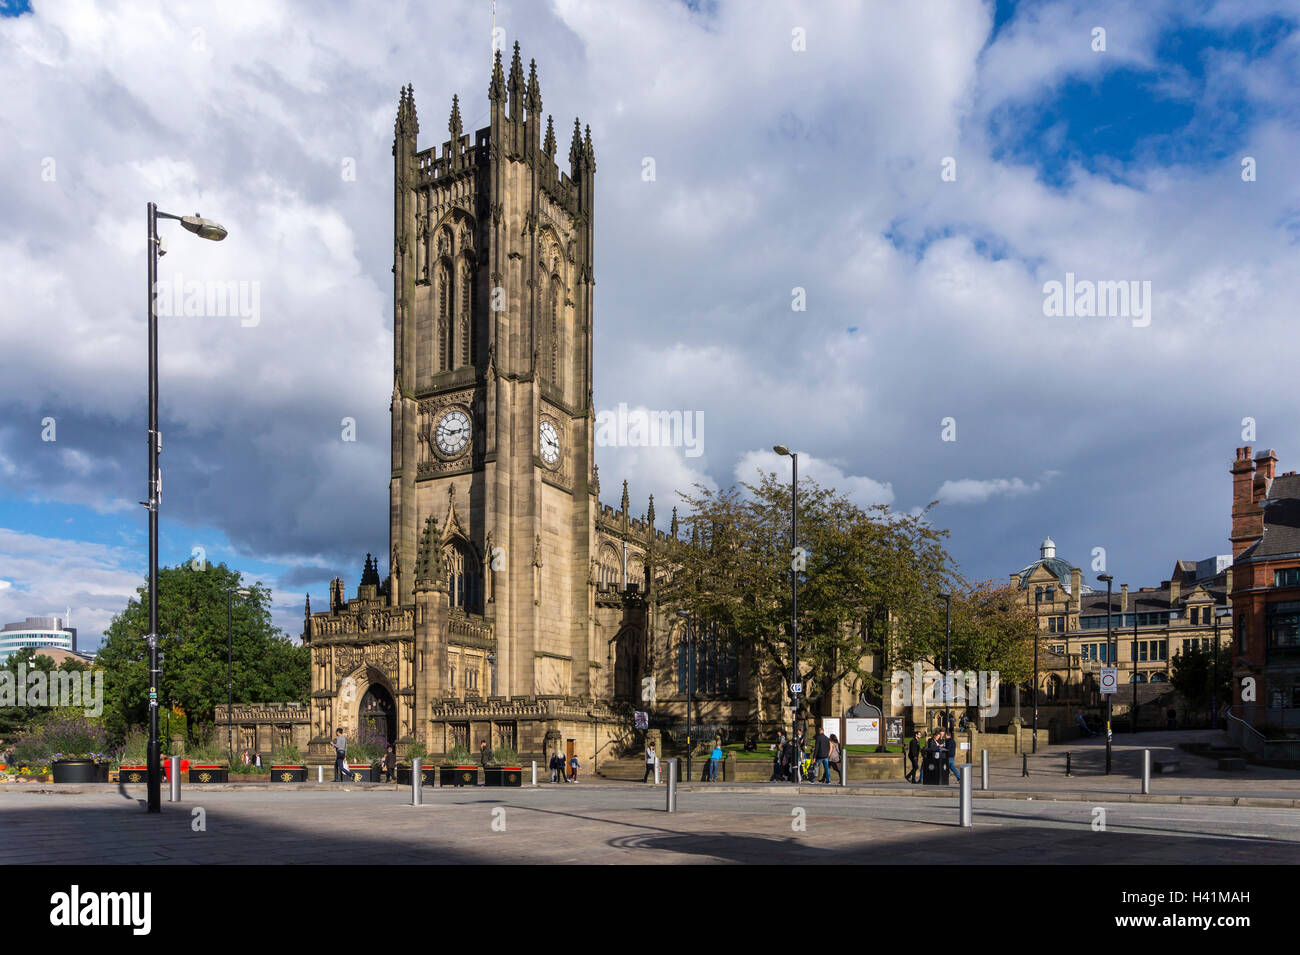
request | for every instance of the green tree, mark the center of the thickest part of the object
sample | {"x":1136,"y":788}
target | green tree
{"x":267,"y":665}
{"x":18,"y":719}
{"x":1192,"y":675}
{"x":864,"y":578}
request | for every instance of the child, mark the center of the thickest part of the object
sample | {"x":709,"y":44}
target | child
{"x":573,"y":769}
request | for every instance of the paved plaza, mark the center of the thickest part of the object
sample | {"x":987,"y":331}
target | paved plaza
{"x":616,"y":823}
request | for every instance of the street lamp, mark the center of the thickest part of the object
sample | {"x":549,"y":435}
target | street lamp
{"x":1108,"y":580}
{"x":947,"y":656}
{"x":794,"y":579}
{"x":690,"y":684}
{"x":1038,"y":596}
{"x":1133,"y":717}
{"x":230,"y":654}
{"x":205,"y":229}
{"x":1214,"y":687}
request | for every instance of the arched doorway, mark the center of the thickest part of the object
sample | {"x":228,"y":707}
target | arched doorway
{"x":378,"y":706}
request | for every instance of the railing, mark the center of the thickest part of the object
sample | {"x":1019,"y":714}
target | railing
{"x":1257,"y":744}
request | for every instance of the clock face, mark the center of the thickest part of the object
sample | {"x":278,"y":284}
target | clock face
{"x":452,"y":433}
{"x":550,"y":442}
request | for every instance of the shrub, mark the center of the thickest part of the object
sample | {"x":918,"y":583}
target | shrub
{"x":285,"y":756}
{"x":459,"y":756}
{"x":64,"y":737}
{"x":416,"y":750}
{"x":504,"y":756}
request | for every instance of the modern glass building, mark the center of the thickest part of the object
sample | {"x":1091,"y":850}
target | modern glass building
{"x":38,"y":633}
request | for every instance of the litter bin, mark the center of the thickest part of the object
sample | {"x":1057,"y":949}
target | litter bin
{"x":934,"y":770}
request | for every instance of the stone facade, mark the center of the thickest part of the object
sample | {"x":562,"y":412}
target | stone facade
{"x":265,"y":727}
{"x":1266,"y":591}
{"x":517,"y":607}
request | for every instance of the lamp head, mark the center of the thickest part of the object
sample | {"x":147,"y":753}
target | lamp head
{"x":204,"y":228}
{"x":1105,"y":578}
{"x":781,"y":449}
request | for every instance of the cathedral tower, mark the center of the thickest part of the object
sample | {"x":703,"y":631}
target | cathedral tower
{"x":492,"y":419}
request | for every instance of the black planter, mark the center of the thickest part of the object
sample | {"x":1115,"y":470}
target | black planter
{"x":363,"y":774}
{"x":78,"y":771}
{"x":209,"y":774}
{"x":288,"y":774}
{"x":133,"y":774}
{"x":426,"y":775}
{"x":457,"y":775}
{"x":503,"y":776}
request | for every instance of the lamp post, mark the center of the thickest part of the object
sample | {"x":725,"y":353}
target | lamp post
{"x":1038,"y":595}
{"x":206,"y":229}
{"x":1133,"y":717}
{"x":690,"y":684}
{"x":794,"y":577}
{"x":230,"y":656}
{"x":947,"y":655}
{"x":1214,"y":687}
{"x":1109,"y":580}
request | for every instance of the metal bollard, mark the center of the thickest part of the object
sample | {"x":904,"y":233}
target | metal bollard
{"x":672,"y":786}
{"x":965,"y":798}
{"x":1024,"y":764}
{"x":658,"y":780}
{"x":320,"y":774}
{"x":844,"y":767}
{"x":176,"y":779}
{"x":1067,"y":763}
{"x":984,"y":769}
{"x":417,"y":783}
{"x":534,"y":772}
{"x":1146,"y":772}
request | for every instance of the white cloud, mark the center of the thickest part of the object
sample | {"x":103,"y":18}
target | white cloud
{"x":972,"y":491}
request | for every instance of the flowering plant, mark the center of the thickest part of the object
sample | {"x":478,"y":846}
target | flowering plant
{"x":64,"y":737}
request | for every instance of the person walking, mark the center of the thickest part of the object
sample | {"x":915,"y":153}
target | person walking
{"x":715,"y":757}
{"x":483,"y":754}
{"x":390,"y":764}
{"x":914,"y":745}
{"x":557,"y":767}
{"x":573,"y":768}
{"x":821,"y":756}
{"x":950,"y":750}
{"x":340,"y":756}
{"x":778,"y":753}
{"x":650,"y":760}
{"x":837,"y":757}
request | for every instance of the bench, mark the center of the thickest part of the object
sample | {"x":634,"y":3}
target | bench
{"x":1232,"y":764}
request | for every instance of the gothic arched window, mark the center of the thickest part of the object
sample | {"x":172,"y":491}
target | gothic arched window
{"x":466,"y":326}
{"x":555,"y":329}
{"x":444,"y":316}
{"x":464,"y":583}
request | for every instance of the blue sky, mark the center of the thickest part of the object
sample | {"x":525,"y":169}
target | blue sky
{"x":777,"y":168}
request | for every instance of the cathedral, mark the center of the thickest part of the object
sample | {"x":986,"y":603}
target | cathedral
{"x":517,"y":608}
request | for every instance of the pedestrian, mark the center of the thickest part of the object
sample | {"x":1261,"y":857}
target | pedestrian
{"x":390,"y":764}
{"x":950,"y":750}
{"x":821,"y":756}
{"x":788,"y":767}
{"x":340,"y":756}
{"x":778,"y":750}
{"x":483,"y":753}
{"x":573,"y":768}
{"x":837,"y":756}
{"x":1171,"y":718}
{"x":715,"y":757}
{"x":557,"y":767}
{"x":650,"y":760}
{"x":913,"y":774}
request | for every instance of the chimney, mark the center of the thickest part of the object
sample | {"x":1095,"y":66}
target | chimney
{"x":1123,"y":598}
{"x":1247,"y":515}
{"x":1076,"y":589}
{"x":1175,"y":591}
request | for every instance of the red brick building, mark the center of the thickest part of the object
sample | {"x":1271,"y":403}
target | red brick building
{"x":1266,"y":590}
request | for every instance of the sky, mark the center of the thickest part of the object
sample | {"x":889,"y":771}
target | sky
{"x":862,"y":225}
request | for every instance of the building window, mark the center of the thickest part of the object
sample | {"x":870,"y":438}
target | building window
{"x":459,"y":734}
{"x":1287,"y":578}
{"x":1282,"y":626}
{"x":717,"y":666}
